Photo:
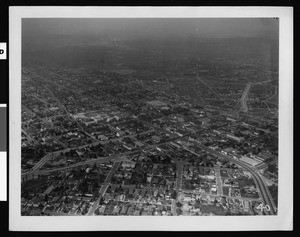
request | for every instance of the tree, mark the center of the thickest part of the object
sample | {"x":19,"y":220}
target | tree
{"x":83,"y":187}
{"x":40,"y":206}
{"x":95,"y":185}
{"x":174,"y":195}
{"x":272,"y":168}
{"x":178,"y":211}
{"x":198,"y":203}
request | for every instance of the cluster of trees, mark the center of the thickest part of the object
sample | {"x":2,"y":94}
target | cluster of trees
{"x":274,"y":193}
{"x":272,"y":168}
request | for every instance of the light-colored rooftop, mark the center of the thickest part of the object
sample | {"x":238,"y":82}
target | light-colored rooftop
{"x":250,"y":160}
{"x":157,"y":103}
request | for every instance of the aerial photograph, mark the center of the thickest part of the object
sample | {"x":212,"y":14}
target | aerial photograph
{"x":149,"y":116}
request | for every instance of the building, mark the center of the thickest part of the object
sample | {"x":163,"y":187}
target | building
{"x":128,"y":164}
{"x":250,"y":161}
{"x":231,"y":136}
{"x":156,"y":103}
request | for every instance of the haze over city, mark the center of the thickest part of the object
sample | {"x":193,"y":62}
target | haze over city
{"x":203,"y":27}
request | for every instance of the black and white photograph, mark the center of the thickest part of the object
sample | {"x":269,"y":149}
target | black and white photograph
{"x":156,"y":116}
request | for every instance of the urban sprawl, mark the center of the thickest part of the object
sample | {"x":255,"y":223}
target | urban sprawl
{"x":146,"y":141}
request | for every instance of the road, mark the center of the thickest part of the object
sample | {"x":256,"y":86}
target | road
{"x":29,"y":138}
{"x":178,"y":185}
{"x":62,"y":107}
{"x":265,"y":195}
{"x":29,"y":111}
{"x":35,"y":171}
{"x":200,"y":97}
{"x":103,"y":188}
{"x":244,"y":97}
{"x":219,"y":182}
{"x":208,"y":86}
{"x":49,"y":156}
{"x":93,"y":161}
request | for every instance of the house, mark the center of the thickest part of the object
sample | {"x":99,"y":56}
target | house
{"x":124,"y":210}
{"x":128,"y":164}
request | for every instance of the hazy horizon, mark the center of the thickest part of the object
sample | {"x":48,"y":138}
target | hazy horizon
{"x":162,"y":27}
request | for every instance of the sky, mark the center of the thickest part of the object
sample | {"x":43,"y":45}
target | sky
{"x":202,"y":27}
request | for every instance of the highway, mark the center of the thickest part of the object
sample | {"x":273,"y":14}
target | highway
{"x":49,"y":156}
{"x":265,"y":194}
{"x":244,"y":97}
{"x":89,"y":162}
{"x":54,"y":154}
{"x":245,"y":94}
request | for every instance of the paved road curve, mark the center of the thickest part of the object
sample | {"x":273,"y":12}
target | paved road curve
{"x":263,"y":189}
